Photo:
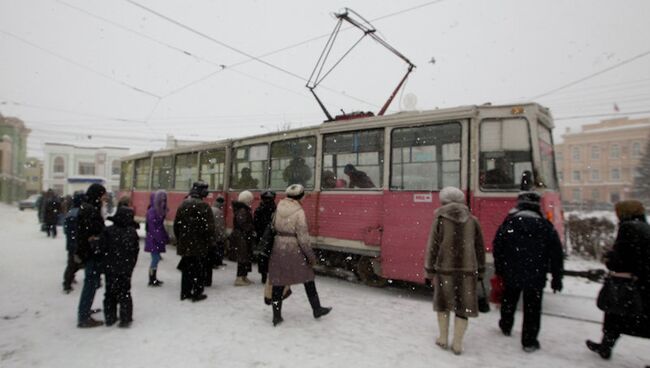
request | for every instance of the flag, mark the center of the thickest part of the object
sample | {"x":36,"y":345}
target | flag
{"x":616,"y":108}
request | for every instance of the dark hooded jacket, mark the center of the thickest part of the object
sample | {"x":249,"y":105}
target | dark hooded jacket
{"x":90,"y":223}
{"x":120,"y":243}
{"x":71,"y":222}
{"x":526,"y":246}
{"x":263,"y":215}
{"x":194,"y":226}
{"x":51,"y":209}
{"x":243,"y":237}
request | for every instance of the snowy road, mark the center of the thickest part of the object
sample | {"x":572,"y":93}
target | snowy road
{"x":368,"y":327}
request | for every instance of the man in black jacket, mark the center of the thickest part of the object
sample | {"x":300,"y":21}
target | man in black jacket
{"x":525,"y":246}
{"x":90,"y":226}
{"x":194,"y":231}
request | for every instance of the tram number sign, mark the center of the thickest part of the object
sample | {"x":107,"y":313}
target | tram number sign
{"x":422,"y":198}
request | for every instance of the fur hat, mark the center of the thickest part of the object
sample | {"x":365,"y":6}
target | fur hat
{"x":295,"y":190}
{"x":529,"y":197}
{"x":268,"y":194}
{"x":245,"y":197}
{"x":452,"y":195}
{"x":629,"y":209}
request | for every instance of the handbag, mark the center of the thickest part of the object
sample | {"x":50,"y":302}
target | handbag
{"x":496,"y":292}
{"x":483,"y":304}
{"x":620,"y":296}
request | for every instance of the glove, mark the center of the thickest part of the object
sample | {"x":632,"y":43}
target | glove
{"x":556,"y":285}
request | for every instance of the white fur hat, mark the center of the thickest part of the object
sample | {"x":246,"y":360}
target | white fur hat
{"x":451,"y":195}
{"x":294,"y":190}
{"x":245,"y":197}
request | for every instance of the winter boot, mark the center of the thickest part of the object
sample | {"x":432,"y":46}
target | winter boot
{"x":153,"y":280}
{"x":460,"y":326}
{"x":247,"y":280}
{"x":604,"y":349}
{"x":443,"y":325}
{"x":241,"y":281}
{"x":314,"y":301}
{"x":89,"y":323}
{"x":277,"y":313}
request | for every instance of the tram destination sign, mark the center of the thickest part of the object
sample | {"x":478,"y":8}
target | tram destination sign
{"x":422,"y":198}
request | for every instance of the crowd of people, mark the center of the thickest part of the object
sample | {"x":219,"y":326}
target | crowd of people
{"x":526,"y":248}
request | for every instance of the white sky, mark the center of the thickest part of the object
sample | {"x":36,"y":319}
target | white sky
{"x":71,"y":65}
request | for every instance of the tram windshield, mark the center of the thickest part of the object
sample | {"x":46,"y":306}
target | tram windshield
{"x":505,"y":153}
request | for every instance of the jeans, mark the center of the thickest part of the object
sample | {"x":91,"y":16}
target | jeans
{"x":155,"y":258}
{"x":91,"y":284}
{"x":70,"y":270}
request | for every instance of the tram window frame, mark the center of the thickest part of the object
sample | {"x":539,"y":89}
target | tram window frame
{"x":141,"y":180}
{"x":194,"y":171}
{"x":283,"y":157}
{"x":513,"y":157}
{"x":239,"y":163}
{"x":157,"y":178}
{"x":362,"y":156}
{"x":212,"y":178}
{"x":126,"y":174}
{"x":439,"y":157}
{"x":547,"y":174}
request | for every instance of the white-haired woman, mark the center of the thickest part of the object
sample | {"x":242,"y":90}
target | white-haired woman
{"x":243,"y":237}
{"x":454,"y":260}
{"x":292,"y":257}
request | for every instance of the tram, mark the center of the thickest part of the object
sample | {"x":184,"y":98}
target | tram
{"x":372,"y":183}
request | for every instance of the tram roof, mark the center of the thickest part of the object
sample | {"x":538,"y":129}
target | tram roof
{"x":399,"y":118}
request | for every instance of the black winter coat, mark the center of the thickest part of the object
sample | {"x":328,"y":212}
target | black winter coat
{"x":52,"y":209}
{"x":526,"y":247}
{"x":243,"y":237}
{"x":194,"y":228}
{"x":120,"y":244}
{"x":263,"y":216}
{"x":90,"y":224}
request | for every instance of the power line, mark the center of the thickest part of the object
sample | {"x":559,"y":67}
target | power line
{"x":615,"y":66}
{"x":100,"y":117}
{"x":602,"y":115}
{"x":70,"y":61}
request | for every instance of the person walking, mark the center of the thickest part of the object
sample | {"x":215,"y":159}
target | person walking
{"x":52,"y":209}
{"x":525,"y":247}
{"x":262,"y":218}
{"x":120,"y":247}
{"x":455,"y":261}
{"x":243,"y":237}
{"x":157,"y":237}
{"x":219,"y":231}
{"x":292,"y":258}
{"x":194,"y":230}
{"x":628,"y":259}
{"x":71,"y":229}
{"x":90,"y":227}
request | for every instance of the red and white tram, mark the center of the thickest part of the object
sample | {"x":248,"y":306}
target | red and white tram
{"x":374,"y":224}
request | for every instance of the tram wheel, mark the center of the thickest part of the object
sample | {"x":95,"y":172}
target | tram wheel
{"x":367,"y":275}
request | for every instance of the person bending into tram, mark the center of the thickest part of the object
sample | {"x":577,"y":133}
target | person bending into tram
{"x":358,"y":178}
{"x":157,"y":237}
{"x":292,"y":258}
{"x":455,"y":261}
{"x":525,"y":247}
{"x":243,"y":237}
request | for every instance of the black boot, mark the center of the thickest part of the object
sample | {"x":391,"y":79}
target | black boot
{"x":604,"y":349}
{"x":314,"y":301}
{"x":277,"y":313}
{"x":153,"y":281}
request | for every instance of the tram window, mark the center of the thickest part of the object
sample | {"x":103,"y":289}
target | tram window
{"x":142,"y":169}
{"x":505,"y":153}
{"x":546,"y":175}
{"x":213,"y":168}
{"x":250,"y":167}
{"x":126,"y":177}
{"x":353,"y":160}
{"x":426,"y":158}
{"x":162,"y":173}
{"x":293,"y":162}
{"x":186,"y":170}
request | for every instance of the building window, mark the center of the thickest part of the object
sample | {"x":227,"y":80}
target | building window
{"x":58,"y":189}
{"x":115,"y":167}
{"x":86,"y":168}
{"x":575,"y":175}
{"x":615,"y":175}
{"x":595,"y":195}
{"x":595,"y":152}
{"x":59,"y":165}
{"x":560,"y":175}
{"x":595,"y":175}
{"x":615,"y":151}
{"x":575,"y":153}
{"x":559,"y":156}
{"x":636,"y":149}
{"x":614,"y":197}
{"x":577,"y":195}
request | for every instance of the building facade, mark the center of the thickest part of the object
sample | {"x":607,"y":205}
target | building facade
{"x":598,"y":165}
{"x":68,"y":168}
{"x":33,"y":176}
{"x":13,"y":154}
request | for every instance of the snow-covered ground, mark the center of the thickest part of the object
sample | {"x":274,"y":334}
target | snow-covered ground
{"x":391,"y":327}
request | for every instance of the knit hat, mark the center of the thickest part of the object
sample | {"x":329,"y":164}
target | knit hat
{"x":245,"y":197}
{"x":452,"y":195}
{"x":199,"y":190}
{"x":295,"y":190}
{"x":629,"y":209}
{"x":530,"y":196}
{"x":268,"y":194}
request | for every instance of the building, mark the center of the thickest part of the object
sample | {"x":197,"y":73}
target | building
{"x":13,"y":153}
{"x":598,"y":164}
{"x":68,"y":168}
{"x":33,"y":176}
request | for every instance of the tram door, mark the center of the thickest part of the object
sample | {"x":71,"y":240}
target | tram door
{"x":424,"y":159}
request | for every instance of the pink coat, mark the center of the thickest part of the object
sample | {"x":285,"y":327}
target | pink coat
{"x":292,"y":255}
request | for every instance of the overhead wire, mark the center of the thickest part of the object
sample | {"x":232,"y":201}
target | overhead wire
{"x":639,"y":112}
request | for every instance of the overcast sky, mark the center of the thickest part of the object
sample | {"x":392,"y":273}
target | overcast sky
{"x":206,"y":69}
